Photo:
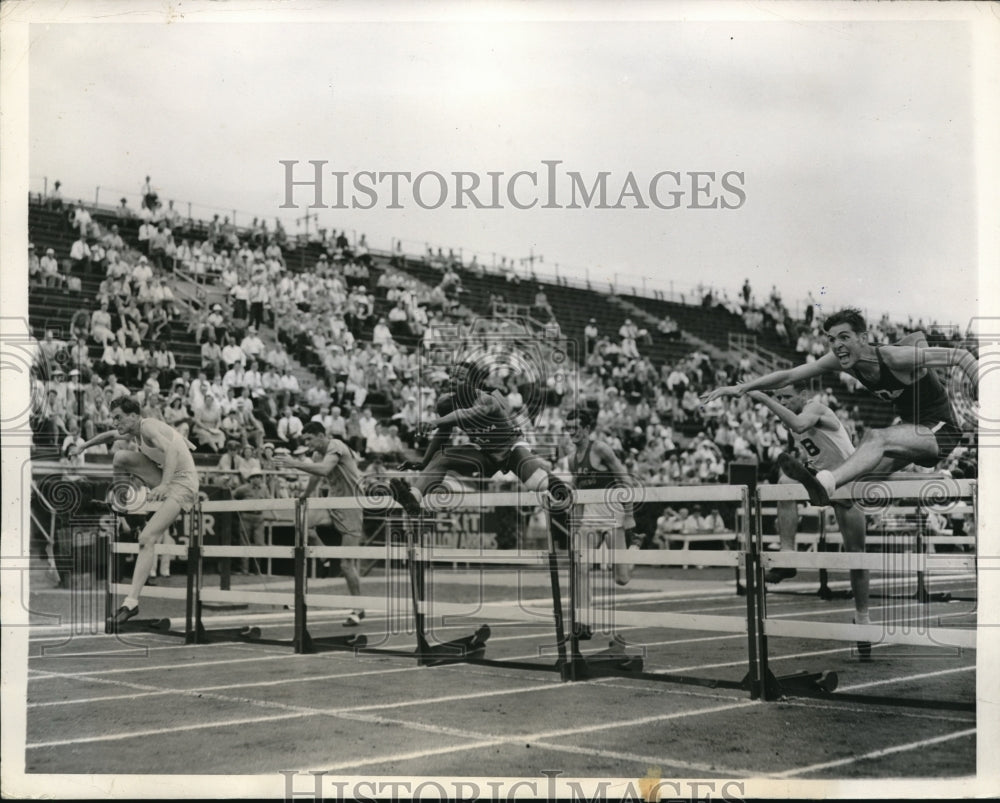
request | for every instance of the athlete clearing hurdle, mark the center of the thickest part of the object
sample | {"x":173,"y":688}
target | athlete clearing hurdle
{"x":334,"y":463}
{"x":899,"y":373}
{"x":821,"y":436}
{"x":163,"y":463}
{"x":496,"y":444}
{"x":595,"y":466}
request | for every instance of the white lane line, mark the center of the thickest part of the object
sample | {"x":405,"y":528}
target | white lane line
{"x":906,"y":678}
{"x":158,"y":691}
{"x":229,"y":723}
{"x":888,"y":751}
{"x":290,"y":680}
{"x":692,"y":768}
{"x":43,"y":675}
{"x":352,"y":712}
{"x":833,"y":705}
{"x":480,"y":740}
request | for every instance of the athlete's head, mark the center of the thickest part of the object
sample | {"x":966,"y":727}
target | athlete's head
{"x":314,"y":435}
{"x":125,"y":415}
{"x":849,"y":315}
{"x":847,"y":334}
{"x":581,"y":421}
{"x":791,"y":397}
{"x":468,"y":378}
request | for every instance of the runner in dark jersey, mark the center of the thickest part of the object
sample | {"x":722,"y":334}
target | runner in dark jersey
{"x":899,"y":373}
{"x":596,"y":467}
{"x":496,"y":443}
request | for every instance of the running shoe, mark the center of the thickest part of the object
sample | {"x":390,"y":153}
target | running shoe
{"x":401,"y":493}
{"x":355,"y":618}
{"x":797,"y":471}
{"x":779,"y":573}
{"x":123,"y":614}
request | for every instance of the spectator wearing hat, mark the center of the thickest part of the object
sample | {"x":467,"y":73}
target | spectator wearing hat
{"x":228,"y":465}
{"x":252,"y":532}
{"x":177,"y":414}
{"x":50,"y":269}
{"x":122,"y":211}
{"x":54,"y":199}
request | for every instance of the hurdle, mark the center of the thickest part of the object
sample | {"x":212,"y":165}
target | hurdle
{"x":424,"y":554}
{"x":906,"y":633}
{"x":201,"y":594}
{"x":611,"y":662}
{"x":390,"y":604}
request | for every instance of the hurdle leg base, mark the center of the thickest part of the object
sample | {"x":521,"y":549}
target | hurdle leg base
{"x":309,"y":645}
{"x":245,"y":633}
{"x":456,"y":651}
{"x":612,"y":661}
{"x":140,"y":626}
{"x":801,"y":683}
{"x":923,"y":595}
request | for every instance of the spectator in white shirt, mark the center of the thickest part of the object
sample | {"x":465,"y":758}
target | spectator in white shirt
{"x":50,"y":269}
{"x":82,"y":221}
{"x":146,"y":232}
{"x":80,"y":254}
{"x":251,"y":344}
{"x":231,"y":353}
{"x":289,"y":429}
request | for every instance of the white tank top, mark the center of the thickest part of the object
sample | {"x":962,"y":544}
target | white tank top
{"x":185,"y":463}
{"x":825,"y":449}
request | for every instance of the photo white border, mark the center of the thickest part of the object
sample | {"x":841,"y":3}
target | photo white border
{"x":16,"y":15}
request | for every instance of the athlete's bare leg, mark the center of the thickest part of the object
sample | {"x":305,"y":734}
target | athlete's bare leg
{"x":902,"y":443}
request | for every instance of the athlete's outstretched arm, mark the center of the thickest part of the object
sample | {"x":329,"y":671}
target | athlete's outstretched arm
{"x":777,"y":379}
{"x":109,"y":435}
{"x":813,"y":414}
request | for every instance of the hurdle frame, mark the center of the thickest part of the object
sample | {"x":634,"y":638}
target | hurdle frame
{"x":809,"y":683}
{"x":114,"y":548}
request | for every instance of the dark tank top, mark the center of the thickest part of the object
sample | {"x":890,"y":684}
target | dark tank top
{"x":587,"y":477}
{"x":923,"y":402}
{"x":491,"y":428}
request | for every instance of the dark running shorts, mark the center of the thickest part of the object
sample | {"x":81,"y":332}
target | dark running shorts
{"x":948,"y":437}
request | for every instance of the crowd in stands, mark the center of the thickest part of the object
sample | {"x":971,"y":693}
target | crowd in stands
{"x":380,"y":344}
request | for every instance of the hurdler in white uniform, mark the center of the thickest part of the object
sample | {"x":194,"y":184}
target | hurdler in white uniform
{"x":824,"y":442}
